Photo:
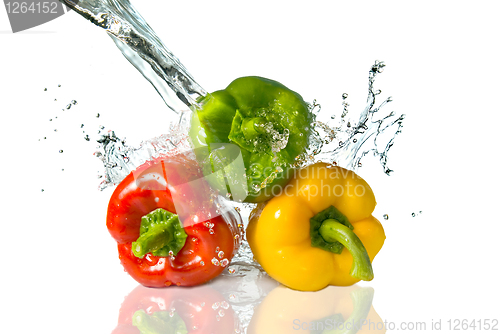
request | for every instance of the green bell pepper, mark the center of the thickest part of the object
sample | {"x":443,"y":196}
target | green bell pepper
{"x":262,"y":121}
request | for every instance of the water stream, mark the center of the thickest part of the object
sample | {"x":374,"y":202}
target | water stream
{"x":142,"y":47}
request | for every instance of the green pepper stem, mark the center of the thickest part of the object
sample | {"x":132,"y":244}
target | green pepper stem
{"x":155,"y":238}
{"x":252,"y":127}
{"x":331,"y":230}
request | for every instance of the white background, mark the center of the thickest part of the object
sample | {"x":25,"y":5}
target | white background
{"x":60,"y":269}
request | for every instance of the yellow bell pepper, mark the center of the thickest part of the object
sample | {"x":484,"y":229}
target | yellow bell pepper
{"x":318,"y":231}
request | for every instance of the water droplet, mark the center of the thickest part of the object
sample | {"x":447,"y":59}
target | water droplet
{"x":360,"y":164}
{"x":45,"y":89}
{"x":170,"y":253}
{"x":68,"y":106}
{"x":98,"y":115}
{"x":386,"y":216}
{"x":377,"y":92}
{"x":224,"y":262}
{"x":413,"y":214}
{"x":220,"y":254}
{"x":344,"y":96}
{"x":211,"y":231}
{"x":215,"y":305}
{"x":81,"y":126}
{"x":43,"y":190}
{"x":354,"y":140}
{"x":50,"y":120}
{"x":55,"y":100}
{"x":231,"y":270}
{"x":60,"y":151}
{"x":217,"y":249}
{"x":55,"y":130}
{"x":58,"y":85}
{"x":221,"y":312}
{"x":202,"y":263}
{"x":74,"y":102}
{"x":215,"y":262}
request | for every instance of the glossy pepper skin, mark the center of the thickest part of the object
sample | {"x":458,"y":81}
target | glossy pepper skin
{"x":291,"y":235}
{"x":269,"y":123}
{"x":150,"y":189}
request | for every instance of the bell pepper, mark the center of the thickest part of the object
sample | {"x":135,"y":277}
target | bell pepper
{"x":318,"y":231}
{"x":176,"y":310}
{"x":168,"y":228}
{"x":266,"y":123}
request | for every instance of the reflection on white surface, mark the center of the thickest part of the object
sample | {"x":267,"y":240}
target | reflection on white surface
{"x":331,"y":310}
{"x":224,"y":305}
{"x":248,"y":301}
{"x":176,"y":310}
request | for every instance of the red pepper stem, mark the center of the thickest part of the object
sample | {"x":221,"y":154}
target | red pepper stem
{"x":156,"y":238}
{"x":331,"y":230}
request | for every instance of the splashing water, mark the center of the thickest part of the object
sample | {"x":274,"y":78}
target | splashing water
{"x":119,"y":159}
{"x":346,"y":144}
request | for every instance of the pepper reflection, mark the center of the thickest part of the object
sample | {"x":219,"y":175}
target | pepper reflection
{"x":331,"y":310}
{"x":176,"y":310}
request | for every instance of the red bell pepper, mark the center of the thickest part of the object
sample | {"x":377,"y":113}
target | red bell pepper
{"x":169,"y":228}
{"x":198,"y":310}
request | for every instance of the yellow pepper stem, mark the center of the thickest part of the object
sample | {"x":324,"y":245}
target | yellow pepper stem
{"x":331,"y":230}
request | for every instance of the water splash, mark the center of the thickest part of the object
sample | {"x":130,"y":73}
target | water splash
{"x":346,"y":144}
{"x":119,"y":159}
